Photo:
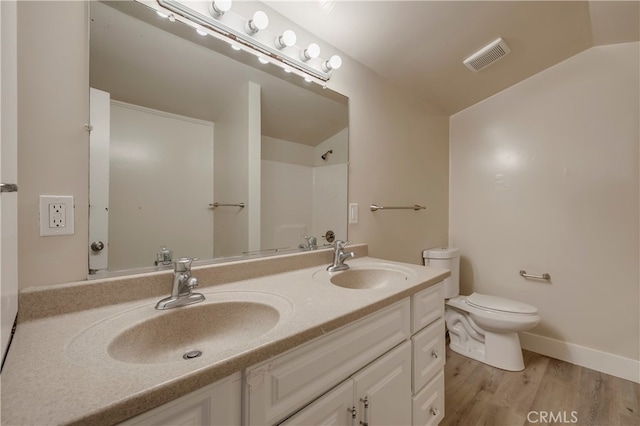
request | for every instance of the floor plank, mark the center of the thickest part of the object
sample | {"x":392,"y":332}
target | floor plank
{"x":546,"y":392}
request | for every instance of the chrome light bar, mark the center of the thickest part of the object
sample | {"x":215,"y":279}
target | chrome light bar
{"x":231,"y":28}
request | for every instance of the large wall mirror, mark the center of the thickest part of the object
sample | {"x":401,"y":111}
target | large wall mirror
{"x":198,"y":150}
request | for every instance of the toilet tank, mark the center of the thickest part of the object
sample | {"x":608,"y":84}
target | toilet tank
{"x":447,"y":258}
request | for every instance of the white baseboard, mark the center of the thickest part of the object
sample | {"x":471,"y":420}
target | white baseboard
{"x":615,"y":365}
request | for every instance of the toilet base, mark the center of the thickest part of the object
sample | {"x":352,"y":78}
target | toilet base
{"x":499,"y":350}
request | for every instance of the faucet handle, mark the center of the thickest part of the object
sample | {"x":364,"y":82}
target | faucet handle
{"x":183,"y":264}
{"x":339,"y":244}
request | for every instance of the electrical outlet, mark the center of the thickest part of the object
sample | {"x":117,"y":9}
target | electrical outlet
{"x":56,"y":215}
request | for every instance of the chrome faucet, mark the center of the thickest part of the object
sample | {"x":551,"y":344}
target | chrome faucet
{"x":183,"y":283}
{"x":312,"y":243}
{"x":339,"y":256}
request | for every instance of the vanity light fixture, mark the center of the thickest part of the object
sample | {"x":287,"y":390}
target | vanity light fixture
{"x":252,"y":36}
{"x":287,"y":39}
{"x":219,"y":7}
{"x":258,"y":22}
{"x":333,"y":63}
{"x":311,"y":52}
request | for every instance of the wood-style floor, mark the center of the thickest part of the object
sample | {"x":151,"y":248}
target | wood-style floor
{"x":547,"y":391}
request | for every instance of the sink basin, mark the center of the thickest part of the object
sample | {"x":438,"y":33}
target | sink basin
{"x":368,"y":278}
{"x":226,"y":322}
{"x":201,"y":328}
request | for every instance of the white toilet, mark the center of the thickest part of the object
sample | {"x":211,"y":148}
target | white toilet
{"x":481,"y":327}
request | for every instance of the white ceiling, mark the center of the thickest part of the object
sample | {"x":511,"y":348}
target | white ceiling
{"x":419,"y":45}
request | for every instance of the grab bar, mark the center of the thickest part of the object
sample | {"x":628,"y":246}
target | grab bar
{"x":375,"y":207}
{"x":544,"y":276}
{"x":214,"y":205}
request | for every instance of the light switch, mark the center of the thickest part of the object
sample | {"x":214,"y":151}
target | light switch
{"x":353,"y":213}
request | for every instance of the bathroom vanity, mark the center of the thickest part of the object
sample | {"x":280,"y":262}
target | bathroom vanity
{"x":282,"y":341}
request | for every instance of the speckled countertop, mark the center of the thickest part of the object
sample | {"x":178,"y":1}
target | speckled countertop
{"x":59,"y":369}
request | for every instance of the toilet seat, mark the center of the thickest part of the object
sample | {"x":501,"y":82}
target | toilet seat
{"x":500,"y":304}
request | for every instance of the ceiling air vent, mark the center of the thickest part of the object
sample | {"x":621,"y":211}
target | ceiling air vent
{"x":487,"y":55}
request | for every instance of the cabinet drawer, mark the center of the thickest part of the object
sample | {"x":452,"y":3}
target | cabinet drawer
{"x":428,"y":354}
{"x":428,"y":405}
{"x":278,"y":387}
{"x":427,"y":306}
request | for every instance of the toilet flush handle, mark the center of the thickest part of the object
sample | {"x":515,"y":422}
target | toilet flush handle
{"x":544,"y":276}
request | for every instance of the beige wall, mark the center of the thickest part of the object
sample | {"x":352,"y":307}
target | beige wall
{"x":398,"y":155}
{"x":544,"y":177}
{"x":398,"y":150}
{"x":53,"y":144}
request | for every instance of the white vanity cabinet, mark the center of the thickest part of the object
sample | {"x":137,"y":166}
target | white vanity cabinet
{"x":428,"y":354}
{"x":379,"y":394}
{"x":217,"y":404}
{"x":279,"y":387}
{"x":384,"y":369}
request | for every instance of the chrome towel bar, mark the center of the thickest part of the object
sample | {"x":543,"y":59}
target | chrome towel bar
{"x":214,"y":205}
{"x":375,"y":207}
{"x":544,"y":276}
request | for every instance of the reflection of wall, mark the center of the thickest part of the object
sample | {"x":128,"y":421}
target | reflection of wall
{"x":329,"y":206}
{"x":235,"y":179}
{"x":161,"y":178}
{"x":544,"y":178}
{"x":286,"y":203}
{"x":299,"y":199}
{"x":339,"y":144}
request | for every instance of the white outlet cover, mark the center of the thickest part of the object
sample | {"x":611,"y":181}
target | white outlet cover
{"x":47,"y":229}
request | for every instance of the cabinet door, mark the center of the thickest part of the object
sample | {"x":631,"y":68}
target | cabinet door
{"x":428,"y":354}
{"x":382,"y":394}
{"x":332,"y":409}
{"x":428,"y":404}
{"x":217,"y":404}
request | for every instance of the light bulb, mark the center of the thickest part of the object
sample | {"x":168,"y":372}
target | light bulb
{"x":262,"y":60}
{"x":162,"y":14}
{"x":260,"y":21}
{"x":333,"y":63}
{"x":219,"y":7}
{"x":287,"y":39}
{"x":201,"y":31}
{"x":311,"y":52}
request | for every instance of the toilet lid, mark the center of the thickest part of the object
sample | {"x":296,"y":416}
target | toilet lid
{"x":500,"y":304}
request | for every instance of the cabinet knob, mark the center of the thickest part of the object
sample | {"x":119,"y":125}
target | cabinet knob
{"x":434,"y":411}
{"x":434,"y":354}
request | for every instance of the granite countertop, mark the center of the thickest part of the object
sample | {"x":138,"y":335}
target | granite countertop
{"x":58,"y":370}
